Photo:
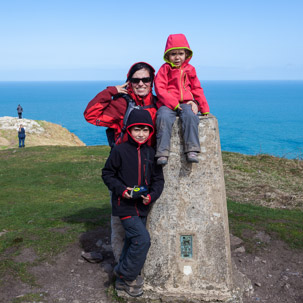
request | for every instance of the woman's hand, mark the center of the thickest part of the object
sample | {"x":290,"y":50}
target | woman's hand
{"x":194,"y":107}
{"x":122,"y":88}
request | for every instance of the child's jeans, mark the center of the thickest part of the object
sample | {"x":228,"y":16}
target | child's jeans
{"x":136,"y":246}
{"x":165,"y":120}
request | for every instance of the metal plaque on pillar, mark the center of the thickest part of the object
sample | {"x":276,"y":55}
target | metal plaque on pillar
{"x":186,"y":246}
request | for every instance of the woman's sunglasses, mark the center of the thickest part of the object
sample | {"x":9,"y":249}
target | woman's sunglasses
{"x":137,"y":80}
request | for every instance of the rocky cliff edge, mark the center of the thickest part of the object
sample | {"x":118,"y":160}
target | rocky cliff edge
{"x":37,"y":133}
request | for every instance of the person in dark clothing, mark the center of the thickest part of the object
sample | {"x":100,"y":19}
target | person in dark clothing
{"x":132,"y":164}
{"x":20,"y":111}
{"x":109,"y":109}
{"x":21,"y":135}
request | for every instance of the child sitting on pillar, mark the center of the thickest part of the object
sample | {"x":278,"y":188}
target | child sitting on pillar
{"x":180,"y":94}
{"x":130,"y":170}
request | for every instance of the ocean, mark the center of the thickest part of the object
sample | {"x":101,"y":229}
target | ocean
{"x":254,"y":116}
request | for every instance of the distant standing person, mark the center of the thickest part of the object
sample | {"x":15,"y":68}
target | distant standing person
{"x":20,"y":111}
{"x":21,"y":135}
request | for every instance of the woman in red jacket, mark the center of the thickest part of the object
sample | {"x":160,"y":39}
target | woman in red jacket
{"x":108,"y":109}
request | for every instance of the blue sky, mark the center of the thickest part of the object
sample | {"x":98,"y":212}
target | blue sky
{"x":100,"y":40}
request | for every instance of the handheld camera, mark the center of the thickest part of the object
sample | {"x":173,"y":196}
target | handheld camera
{"x":137,"y":191}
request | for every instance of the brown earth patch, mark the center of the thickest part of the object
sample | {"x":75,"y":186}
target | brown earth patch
{"x":276,"y":272}
{"x":27,"y":255}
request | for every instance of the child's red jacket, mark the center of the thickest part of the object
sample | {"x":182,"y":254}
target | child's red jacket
{"x":178,"y":85}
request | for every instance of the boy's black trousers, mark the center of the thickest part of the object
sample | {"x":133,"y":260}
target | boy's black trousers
{"x":136,"y":246}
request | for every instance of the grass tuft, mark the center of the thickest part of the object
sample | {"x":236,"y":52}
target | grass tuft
{"x":284,"y":224}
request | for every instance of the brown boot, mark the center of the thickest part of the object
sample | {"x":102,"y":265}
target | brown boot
{"x":130,"y":287}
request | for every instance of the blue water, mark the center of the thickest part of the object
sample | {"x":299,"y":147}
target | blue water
{"x":254,"y":116}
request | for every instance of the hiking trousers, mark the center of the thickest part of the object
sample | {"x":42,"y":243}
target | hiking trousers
{"x":189,"y":121}
{"x":135,"y":249}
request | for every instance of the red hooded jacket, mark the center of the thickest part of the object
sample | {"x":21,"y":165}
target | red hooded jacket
{"x":177,"y":85}
{"x":108,"y":109}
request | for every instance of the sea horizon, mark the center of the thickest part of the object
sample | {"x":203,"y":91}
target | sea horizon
{"x":224,"y":80}
{"x":254,"y":116}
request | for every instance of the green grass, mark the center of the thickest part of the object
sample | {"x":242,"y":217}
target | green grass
{"x":51,"y":195}
{"x":45,"y":190}
{"x":284,"y":224}
{"x":264,"y":180}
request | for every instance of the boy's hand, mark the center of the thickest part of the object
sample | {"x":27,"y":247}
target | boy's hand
{"x":194,"y":107}
{"x":126,"y":194}
{"x":122,"y":88}
{"x":145,"y":200}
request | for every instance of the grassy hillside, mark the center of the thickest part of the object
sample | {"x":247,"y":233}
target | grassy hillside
{"x":264,"y":180}
{"x":50,"y":195}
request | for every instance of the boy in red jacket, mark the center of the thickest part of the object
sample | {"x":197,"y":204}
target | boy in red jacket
{"x":180,"y":93}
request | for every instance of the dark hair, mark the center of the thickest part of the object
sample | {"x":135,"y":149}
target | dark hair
{"x":139,"y":66}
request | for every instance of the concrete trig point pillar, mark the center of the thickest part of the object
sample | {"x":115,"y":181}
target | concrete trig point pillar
{"x":189,"y":259}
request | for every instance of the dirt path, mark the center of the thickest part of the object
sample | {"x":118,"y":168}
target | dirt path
{"x":276,"y":273}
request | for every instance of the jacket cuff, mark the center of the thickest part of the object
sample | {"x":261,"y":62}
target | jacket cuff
{"x":123,"y":194}
{"x":177,"y":106}
{"x":149,"y":199}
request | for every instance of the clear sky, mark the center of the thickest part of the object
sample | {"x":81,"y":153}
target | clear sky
{"x":100,"y":40}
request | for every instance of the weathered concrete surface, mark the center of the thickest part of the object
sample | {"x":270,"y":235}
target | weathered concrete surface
{"x":193,"y":203}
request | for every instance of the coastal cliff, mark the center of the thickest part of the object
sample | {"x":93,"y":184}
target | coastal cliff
{"x":38,"y":133}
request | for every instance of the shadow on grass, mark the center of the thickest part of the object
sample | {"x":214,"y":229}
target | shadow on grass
{"x":91,"y":217}
{"x":97,"y":225}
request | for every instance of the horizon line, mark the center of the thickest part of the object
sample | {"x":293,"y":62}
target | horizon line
{"x":98,"y":80}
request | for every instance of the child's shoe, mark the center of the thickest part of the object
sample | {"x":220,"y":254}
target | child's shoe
{"x":162,"y":160}
{"x":192,"y":157}
{"x":130,"y":287}
{"x":139,"y":281}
